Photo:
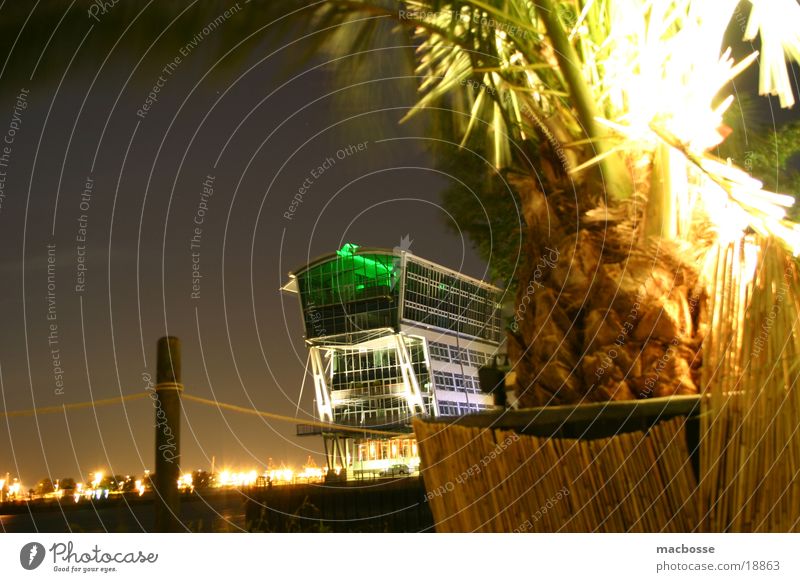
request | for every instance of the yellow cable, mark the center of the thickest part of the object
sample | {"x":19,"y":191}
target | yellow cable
{"x":222,"y":405}
{"x":73,"y":406}
{"x":274,"y":416}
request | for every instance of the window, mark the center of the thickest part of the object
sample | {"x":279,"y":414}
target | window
{"x":464,"y":408}
{"x":459,"y":355}
{"x":477,"y":359}
{"x":444,"y":380}
{"x":367,"y":386}
{"x":439,"y":351}
{"x":457,"y":382}
{"x":441,"y":299}
{"x":350,"y":293}
{"x":448,"y":408}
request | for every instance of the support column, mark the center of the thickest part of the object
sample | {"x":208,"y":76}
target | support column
{"x":412,"y":392}
{"x":168,"y":435}
{"x":321,"y":389}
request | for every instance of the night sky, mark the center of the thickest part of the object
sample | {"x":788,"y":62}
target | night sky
{"x":117,"y":192}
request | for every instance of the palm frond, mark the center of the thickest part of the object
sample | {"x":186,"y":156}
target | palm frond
{"x":777,"y":22}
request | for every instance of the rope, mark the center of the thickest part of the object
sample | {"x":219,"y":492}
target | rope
{"x":291,"y":419}
{"x":73,"y":406}
{"x":219,"y":405}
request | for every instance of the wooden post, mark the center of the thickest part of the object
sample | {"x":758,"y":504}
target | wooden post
{"x":168,"y":435}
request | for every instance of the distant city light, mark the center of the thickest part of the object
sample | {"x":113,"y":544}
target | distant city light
{"x":186,"y":482}
{"x":281,"y":475}
{"x":311,"y":474}
{"x":103,"y":485}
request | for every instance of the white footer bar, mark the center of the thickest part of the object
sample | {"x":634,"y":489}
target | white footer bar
{"x":435,"y":557}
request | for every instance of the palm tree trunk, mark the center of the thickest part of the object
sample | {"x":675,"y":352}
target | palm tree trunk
{"x":599,"y":314}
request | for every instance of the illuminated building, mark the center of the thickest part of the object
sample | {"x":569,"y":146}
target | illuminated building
{"x":391,"y":336}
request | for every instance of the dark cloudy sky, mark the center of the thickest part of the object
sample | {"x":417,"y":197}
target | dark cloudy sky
{"x":230,"y":117}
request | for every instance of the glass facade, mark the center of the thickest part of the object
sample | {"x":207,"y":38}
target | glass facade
{"x":386,"y":449}
{"x":351,"y":293}
{"x":367,"y":386}
{"x":359,"y":290}
{"x":442,"y":352}
{"x":457,"y":382}
{"x":450,"y":408}
{"x":437,"y":298}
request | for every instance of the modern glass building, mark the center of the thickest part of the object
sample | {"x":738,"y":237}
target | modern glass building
{"x":391,"y":336}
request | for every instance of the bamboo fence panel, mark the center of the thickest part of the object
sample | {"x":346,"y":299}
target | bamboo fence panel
{"x":750,"y":442}
{"x":629,"y":482}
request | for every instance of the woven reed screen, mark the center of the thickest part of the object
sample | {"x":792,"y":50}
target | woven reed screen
{"x":488,"y":480}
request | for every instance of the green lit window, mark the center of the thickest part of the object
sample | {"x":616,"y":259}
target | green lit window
{"x":350,"y":293}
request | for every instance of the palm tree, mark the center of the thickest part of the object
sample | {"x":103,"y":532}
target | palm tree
{"x":604,"y":115}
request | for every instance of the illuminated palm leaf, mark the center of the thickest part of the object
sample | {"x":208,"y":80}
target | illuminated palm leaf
{"x":563,"y":72}
{"x":778,"y":22}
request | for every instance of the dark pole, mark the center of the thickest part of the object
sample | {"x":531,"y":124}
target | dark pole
{"x":168,"y":434}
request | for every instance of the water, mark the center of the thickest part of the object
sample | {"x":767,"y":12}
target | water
{"x":212,"y":512}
